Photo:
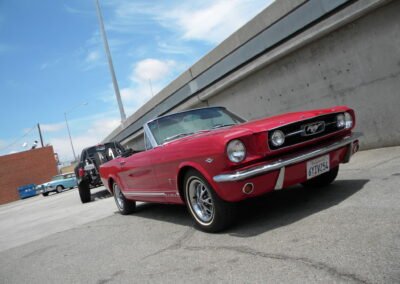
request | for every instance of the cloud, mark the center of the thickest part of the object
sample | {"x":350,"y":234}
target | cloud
{"x":51,"y":63}
{"x":93,"y":59}
{"x":72,"y":10}
{"x":52,"y":127}
{"x":96,"y":130}
{"x":92,"y":56}
{"x":151,"y":69}
{"x":209,"y":20}
{"x":147,"y":78}
{"x":215,"y":21}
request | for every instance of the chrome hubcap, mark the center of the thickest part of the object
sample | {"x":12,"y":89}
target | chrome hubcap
{"x":118,"y":197}
{"x":200,"y":199}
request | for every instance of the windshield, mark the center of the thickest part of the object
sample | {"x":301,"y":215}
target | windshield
{"x":178,"y":125}
{"x":57,"y":178}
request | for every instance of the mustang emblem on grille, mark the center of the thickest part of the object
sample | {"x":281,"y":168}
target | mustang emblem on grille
{"x":313,"y":128}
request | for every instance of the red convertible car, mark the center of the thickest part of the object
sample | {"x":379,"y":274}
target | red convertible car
{"x":210,"y":158}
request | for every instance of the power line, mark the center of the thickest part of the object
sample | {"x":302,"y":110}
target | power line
{"x":18,"y":139}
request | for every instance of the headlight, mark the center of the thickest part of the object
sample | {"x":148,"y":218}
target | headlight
{"x":277,"y":138}
{"x":340,"y":120}
{"x":236,"y":151}
{"x":344,"y":120}
{"x":349,"y":120}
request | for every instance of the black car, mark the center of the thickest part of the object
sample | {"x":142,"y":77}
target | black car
{"x":87,"y":170}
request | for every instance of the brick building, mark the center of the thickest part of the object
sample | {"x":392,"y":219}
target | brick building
{"x":34,"y":166}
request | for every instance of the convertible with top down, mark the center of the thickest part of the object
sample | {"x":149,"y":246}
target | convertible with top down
{"x":209,"y":159}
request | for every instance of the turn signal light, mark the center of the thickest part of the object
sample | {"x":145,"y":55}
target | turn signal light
{"x":81,"y":172}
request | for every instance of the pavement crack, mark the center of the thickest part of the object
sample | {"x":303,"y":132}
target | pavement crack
{"x":38,"y":251}
{"x":111,"y":278}
{"x":175,"y":245}
{"x":385,"y":162}
{"x":306,"y":261}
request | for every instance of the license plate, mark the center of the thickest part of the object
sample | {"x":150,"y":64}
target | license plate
{"x":317,"y":166}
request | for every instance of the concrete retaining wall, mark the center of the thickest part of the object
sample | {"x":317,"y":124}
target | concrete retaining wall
{"x":357,"y":65}
{"x":350,"y":56}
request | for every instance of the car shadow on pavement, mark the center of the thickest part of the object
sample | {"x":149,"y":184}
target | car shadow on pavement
{"x":100,"y":194}
{"x":281,"y":208}
{"x":171,"y":213}
{"x":259,"y":215}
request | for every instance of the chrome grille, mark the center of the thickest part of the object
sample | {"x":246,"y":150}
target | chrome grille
{"x":302,"y":131}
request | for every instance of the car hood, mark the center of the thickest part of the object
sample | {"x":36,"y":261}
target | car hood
{"x":46,"y":184}
{"x":261,"y":125}
{"x":272,"y":122}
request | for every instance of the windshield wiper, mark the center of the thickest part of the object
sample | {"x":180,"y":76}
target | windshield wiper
{"x":177,"y":136}
{"x":222,"y":125}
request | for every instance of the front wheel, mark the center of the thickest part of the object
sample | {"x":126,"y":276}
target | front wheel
{"x":84,"y":192}
{"x":210,"y":212}
{"x":322,"y":180}
{"x":59,"y":188}
{"x":125,"y":206}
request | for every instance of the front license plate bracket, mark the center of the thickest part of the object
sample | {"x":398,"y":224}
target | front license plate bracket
{"x":318,"y":166}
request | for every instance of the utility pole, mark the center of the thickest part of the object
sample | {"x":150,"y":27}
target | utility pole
{"x":110,"y":63}
{"x":40,"y":135}
{"x":69,"y":134}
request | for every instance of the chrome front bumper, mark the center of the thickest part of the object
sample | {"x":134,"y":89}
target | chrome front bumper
{"x":290,"y":160}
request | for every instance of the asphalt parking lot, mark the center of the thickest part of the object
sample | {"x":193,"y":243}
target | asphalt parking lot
{"x":348,"y":232}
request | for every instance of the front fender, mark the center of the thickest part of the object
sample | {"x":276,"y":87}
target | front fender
{"x":198,"y":167}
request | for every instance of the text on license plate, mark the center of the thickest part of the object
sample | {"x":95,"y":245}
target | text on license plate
{"x":317,"y":166}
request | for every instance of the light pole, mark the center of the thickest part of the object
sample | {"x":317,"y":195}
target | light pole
{"x":110,"y":63}
{"x":69,"y":133}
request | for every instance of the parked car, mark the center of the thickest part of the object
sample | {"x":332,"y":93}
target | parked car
{"x":57,"y":184}
{"x":87,"y":169}
{"x":210,"y":158}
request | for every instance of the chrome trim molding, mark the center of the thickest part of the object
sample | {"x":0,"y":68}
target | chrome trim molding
{"x":294,"y":159}
{"x":153,"y":194}
{"x":145,"y":193}
{"x":150,"y":136}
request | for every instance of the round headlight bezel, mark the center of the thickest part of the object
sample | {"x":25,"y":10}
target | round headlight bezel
{"x":348,"y":120}
{"x":277,"y":134}
{"x":236,"y":151}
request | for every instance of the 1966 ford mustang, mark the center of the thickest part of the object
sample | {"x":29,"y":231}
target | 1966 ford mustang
{"x":210,"y":158}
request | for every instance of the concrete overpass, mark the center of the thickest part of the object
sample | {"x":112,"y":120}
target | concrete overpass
{"x":296,"y":55}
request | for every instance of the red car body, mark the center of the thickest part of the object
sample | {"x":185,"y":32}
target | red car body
{"x":156,"y":175}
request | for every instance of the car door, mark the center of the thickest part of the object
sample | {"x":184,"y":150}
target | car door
{"x":70,"y":180}
{"x":137,"y":176}
{"x":166,"y":167}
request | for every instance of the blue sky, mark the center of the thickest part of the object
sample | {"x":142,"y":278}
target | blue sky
{"x":52,"y":61}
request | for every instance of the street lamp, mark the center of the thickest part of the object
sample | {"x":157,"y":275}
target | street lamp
{"x":69,"y":133}
{"x":110,"y":63}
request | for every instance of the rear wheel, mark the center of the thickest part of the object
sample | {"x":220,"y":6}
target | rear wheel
{"x":84,"y":192}
{"x":125,"y":206}
{"x":45,"y":193}
{"x":322,"y":180}
{"x":59,"y":188}
{"x":211,"y":213}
